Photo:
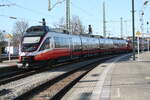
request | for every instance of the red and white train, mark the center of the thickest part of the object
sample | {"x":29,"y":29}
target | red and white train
{"x":41,"y":45}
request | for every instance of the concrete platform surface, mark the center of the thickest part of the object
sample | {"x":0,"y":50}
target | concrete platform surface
{"x":116,"y":79}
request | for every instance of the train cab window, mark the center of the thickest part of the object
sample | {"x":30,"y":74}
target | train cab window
{"x":45,"y":45}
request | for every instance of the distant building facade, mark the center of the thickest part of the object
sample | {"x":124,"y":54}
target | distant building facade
{"x":3,"y":44}
{"x":4,"y":49}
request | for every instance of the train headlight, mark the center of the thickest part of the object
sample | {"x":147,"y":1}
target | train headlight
{"x":27,"y":65}
{"x":19,"y":65}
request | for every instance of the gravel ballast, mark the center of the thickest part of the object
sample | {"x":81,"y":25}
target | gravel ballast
{"x":16,"y":88}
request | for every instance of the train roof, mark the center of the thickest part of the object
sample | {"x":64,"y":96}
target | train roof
{"x":38,"y":28}
{"x":59,"y":30}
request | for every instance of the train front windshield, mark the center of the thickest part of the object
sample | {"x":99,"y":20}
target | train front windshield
{"x":32,"y":38}
{"x":27,"y":40}
{"x":30,"y":43}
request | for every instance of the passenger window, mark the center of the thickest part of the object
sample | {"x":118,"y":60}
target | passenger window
{"x":45,"y":45}
{"x":57,"y":42}
{"x":61,"y":42}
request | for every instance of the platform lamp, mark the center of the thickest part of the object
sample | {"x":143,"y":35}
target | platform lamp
{"x":147,"y":26}
{"x":146,"y":2}
{"x":133,"y":30}
{"x":148,"y":37}
{"x":9,"y":37}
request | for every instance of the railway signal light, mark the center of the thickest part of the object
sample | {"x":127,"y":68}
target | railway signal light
{"x":43,"y":22}
{"x":90,"y":29}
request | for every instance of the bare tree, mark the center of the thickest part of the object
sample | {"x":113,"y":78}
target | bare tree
{"x":60,"y":24}
{"x":19,"y":29}
{"x":76,"y":25}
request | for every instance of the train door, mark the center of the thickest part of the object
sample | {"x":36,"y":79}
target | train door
{"x":89,"y":46}
{"x":81,"y":46}
{"x":52,"y":45}
{"x":71,"y":47}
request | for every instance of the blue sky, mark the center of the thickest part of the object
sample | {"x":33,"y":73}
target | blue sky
{"x":89,"y":11}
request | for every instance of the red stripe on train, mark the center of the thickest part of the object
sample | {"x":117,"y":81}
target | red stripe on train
{"x":53,"y":54}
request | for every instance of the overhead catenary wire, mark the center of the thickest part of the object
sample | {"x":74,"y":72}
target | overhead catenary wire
{"x":18,"y":18}
{"x":6,"y":16}
{"x":5,"y":5}
{"x":28,"y":9}
{"x":59,"y":2}
{"x":38,"y":12}
{"x":81,"y":9}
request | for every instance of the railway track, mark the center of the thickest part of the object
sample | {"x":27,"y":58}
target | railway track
{"x":30,"y":85}
{"x":10,"y":73}
{"x":54,"y":89}
{"x":7,"y":73}
{"x":5,"y":70}
{"x":13,"y":76}
{"x":13,"y":73}
{"x":6,"y":58}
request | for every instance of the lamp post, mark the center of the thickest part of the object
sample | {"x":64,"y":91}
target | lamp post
{"x":9,"y":36}
{"x":144,"y":4}
{"x":133,"y":30}
{"x":11,"y":17}
{"x":147,"y":26}
{"x":148,"y":37}
{"x":142,"y":29}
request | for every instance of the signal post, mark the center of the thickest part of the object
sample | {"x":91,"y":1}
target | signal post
{"x":138,"y":34}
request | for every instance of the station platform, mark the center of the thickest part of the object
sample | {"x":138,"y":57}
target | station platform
{"x":8,"y":63}
{"x":116,"y":79}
